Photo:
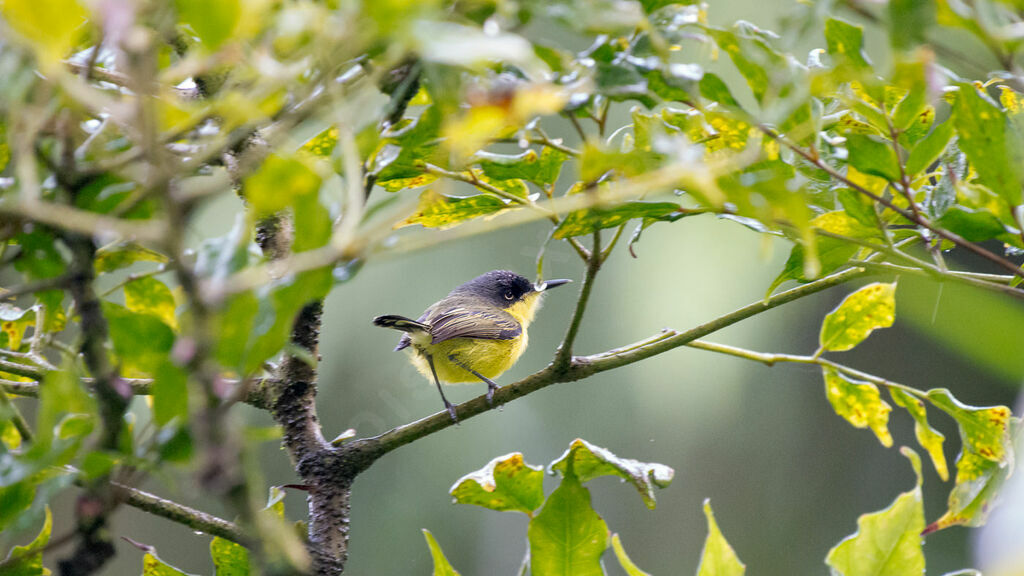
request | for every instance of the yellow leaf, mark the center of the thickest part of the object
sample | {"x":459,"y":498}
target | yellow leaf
{"x":858,"y":402}
{"x":929,"y":438}
{"x":860,"y":313}
{"x":49,"y":25}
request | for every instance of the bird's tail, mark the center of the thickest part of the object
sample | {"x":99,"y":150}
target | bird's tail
{"x":401,"y":323}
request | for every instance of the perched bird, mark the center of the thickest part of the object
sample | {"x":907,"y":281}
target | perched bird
{"x":475,"y":333}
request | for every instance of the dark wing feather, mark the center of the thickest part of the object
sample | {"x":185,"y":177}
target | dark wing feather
{"x":459,"y":322}
{"x":405,"y":341}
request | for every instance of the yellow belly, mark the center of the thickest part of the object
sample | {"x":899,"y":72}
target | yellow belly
{"x":488,"y":357}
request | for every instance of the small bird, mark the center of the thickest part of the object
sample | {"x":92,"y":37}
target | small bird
{"x":476,"y":332}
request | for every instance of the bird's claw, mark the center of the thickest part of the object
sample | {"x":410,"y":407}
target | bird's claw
{"x":451,"y":411}
{"x":491,"y":387}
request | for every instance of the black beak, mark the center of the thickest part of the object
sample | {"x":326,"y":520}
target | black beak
{"x":549,"y":284}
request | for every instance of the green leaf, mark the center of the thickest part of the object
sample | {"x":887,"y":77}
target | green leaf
{"x":929,"y":438}
{"x":278,"y":183}
{"x":973,"y":225}
{"x":150,"y":296}
{"x":213,"y":21}
{"x":542,"y":169}
{"x":323,"y":144}
{"x":832,"y":254}
{"x":229,"y":559}
{"x":718,"y":558}
{"x":141,"y":341}
{"x":152,"y":565}
{"x":170,"y":393}
{"x":909,"y":22}
{"x":872,"y":156}
{"x":627,"y":564}
{"x":859,"y":314}
{"x":715,"y":89}
{"x":29,"y":559}
{"x":990,"y":143}
{"x":567,"y":537}
{"x":621,"y":82}
{"x":596,"y":161}
{"x":858,"y":402}
{"x":441,"y":565}
{"x":507,"y":483}
{"x":929,"y":150}
{"x":123,"y":254}
{"x":887,"y":543}
{"x":975,"y":492}
{"x":589,"y":461}
{"x":51,"y":26}
{"x":13,"y":323}
{"x":61,"y":393}
{"x":437,"y":210}
{"x":759,"y":63}
{"x":15,"y":499}
{"x":583,"y":222}
{"x":984,"y":431}
{"x":846,"y":43}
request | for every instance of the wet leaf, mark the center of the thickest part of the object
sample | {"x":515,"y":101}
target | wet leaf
{"x":589,"y":461}
{"x":441,"y":565}
{"x":929,"y":438}
{"x":507,"y":483}
{"x":437,"y":210}
{"x":859,"y":403}
{"x":718,"y":558}
{"x":567,"y":537}
{"x":624,"y":560}
{"x":859,"y":314}
{"x":888,"y":542}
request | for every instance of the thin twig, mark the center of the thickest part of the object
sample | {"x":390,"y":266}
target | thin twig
{"x":563,"y":356}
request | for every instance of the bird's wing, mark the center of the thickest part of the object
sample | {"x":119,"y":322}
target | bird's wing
{"x":462,"y":323}
{"x":405,"y":340}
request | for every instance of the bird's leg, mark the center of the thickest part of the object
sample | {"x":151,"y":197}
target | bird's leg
{"x":491,"y":386}
{"x":448,"y":405}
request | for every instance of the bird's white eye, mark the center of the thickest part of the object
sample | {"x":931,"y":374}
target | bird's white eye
{"x":510,"y":296}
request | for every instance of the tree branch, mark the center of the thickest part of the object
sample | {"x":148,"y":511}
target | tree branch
{"x":361,"y":453}
{"x":563,"y":356}
{"x":195,"y":519}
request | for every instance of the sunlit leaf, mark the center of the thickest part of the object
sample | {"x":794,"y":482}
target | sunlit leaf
{"x":437,"y":210}
{"x":859,"y":314}
{"x":507,"y":483}
{"x":589,"y":461}
{"x":322,"y":144}
{"x":859,"y":403}
{"x":929,"y":438}
{"x":441,"y":565}
{"x":50,"y":26}
{"x":567,"y":536}
{"x":718,"y":558}
{"x":151,"y":296}
{"x":887,"y":543}
{"x":278,"y":183}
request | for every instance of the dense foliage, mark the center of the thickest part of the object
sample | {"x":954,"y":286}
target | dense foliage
{"x":333,"y":122}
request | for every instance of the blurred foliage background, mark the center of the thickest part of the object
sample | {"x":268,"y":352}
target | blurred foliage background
{"x":787,"y":477}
